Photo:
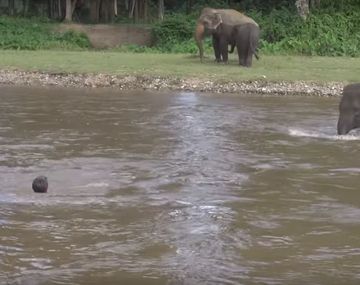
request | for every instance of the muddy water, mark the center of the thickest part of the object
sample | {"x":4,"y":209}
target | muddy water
{"x":176,"y":189}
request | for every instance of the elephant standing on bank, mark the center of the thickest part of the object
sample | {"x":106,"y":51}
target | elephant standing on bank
{"x":244,"y":36}
{"x":246,"y":39}
{"x":209,"y":21}
{"x":349,"y":107}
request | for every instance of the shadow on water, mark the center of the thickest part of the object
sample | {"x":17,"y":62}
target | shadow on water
{"x":176,"y":189}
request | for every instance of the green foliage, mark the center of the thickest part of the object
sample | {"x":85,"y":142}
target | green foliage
{"x":335,"y":34}
{"x":325,"y":33}
{"x":34,"y":34}
{"x":219,"y":4}
{"x":73,"y":38}
{"x":175,"y":33}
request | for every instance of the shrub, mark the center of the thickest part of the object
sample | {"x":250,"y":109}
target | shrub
{"x":324,"y":34}
{"x":174,"y":33}
{"x":33,"y":34}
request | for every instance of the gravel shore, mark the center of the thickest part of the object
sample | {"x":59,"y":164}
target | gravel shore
{"x":130,"y":82}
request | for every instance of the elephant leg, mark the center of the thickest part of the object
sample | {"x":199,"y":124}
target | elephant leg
{"x":216,"y":46}
{"x":224,"y":49}
{"x":253,"y":43}
{"x":249,"y":58}
{"x":241,"y":54}
{"x":199,"y":37}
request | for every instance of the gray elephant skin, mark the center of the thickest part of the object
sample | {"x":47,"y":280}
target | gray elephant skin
{"x":349,"y":108}
{"x":210,"y":19}
{"x":246,"y":39}
{"x":245,"y":36}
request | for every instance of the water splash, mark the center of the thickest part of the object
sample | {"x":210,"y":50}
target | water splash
{"x":320,"y":135}
{"x":94,"y":185}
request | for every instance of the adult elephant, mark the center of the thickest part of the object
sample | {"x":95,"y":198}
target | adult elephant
{"x":205,"y":26}
{"x":245,"y":37}
{"x":349,"y":107}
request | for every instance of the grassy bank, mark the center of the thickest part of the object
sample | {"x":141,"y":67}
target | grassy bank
{"x":270,"y":68}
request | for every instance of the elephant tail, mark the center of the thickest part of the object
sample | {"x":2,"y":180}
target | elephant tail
{"x":254,"y":40}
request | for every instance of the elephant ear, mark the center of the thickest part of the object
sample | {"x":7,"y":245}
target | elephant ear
{"x":212,"y":21}
{"x":217,"y":20}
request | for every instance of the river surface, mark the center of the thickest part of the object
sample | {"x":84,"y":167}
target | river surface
{"x":176,"y":188}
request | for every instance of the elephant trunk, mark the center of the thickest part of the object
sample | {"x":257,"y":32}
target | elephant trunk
{"x":345,"y":124}
{"x":199,"y":36}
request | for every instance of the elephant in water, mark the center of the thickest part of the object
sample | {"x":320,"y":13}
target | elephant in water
{"x":209,"y":21}
{"x":349,"y":107}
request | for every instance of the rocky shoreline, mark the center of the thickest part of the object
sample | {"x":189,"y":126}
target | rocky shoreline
{"x":131,"y":82}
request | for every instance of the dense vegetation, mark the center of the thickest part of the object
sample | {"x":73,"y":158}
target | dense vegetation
{"x":33,"y":34}
{"x":332,"y":29}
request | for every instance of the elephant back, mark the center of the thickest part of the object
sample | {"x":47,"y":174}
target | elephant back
{"x":232,"y":17}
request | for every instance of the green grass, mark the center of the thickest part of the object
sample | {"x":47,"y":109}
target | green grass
{"x":271,"y":68}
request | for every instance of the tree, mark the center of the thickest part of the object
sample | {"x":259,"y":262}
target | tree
{"x":303,"y":8}
{"x":95,"y":11}
{"x":11,"y":5}
{"x":189,"y":5}
{"x":103,"y":10}
{"x":69,"y":10}
{"x":138,"y":9}
{"x":315,"y":3}
{"x":161,"y":9}
{"x":107,"y":10}
{"x":25,"y":7}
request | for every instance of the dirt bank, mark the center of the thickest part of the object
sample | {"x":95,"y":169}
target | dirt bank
{"x":110,"y":36}
{"x":129,"y":82}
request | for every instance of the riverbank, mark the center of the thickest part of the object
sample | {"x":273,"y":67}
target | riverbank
{"x":131,"y":82}
{"x":283,"y":75}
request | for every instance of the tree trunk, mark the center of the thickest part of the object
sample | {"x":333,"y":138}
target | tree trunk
{"x":142,"y":9}
{"x":11,"y":7}
{"x":132,"y":8}
{"x":189,"y":5}
{"x":107,"y":10}
{"x":59,"y":10}
{"x":68,"y":11}
{"x":315,"y":4}
{"x":25,"y":7}
{"x":50,"y":9}
{"x":303,"y":8}
{"x":161,"y":9}
{"x":73,"y":6}
{"x":136,"y":10}
{"x":95,"y":11}
{"x":146,"y":10}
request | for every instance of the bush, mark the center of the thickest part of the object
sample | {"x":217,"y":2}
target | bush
{"x":324,"y":34}
{"x":175,"y":34}
{"x":34,"y":34}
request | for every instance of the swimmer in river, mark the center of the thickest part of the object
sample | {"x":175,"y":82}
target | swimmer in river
{"x":40,"y":184}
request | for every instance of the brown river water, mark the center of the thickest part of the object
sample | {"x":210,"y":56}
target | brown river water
{"x":176,"y":188}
